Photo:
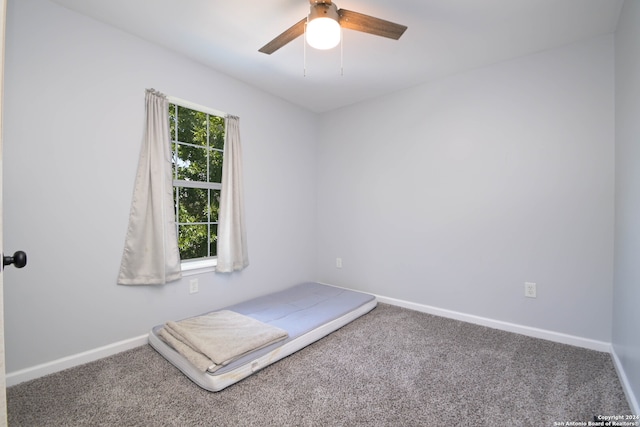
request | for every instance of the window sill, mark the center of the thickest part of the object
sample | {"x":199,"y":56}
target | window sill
{"x":190,"y":268}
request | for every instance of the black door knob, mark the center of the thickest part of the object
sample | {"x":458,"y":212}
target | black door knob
{"x":19,"y":259}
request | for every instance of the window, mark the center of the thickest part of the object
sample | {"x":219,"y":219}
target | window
{"x":197,"y":142}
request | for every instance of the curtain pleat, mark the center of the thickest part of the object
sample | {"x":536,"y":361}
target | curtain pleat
{"x":232,"y":238}
{"x":151,"y":255}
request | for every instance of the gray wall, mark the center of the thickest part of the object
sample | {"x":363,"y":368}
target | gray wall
{"x":455,"y":193}
{"x":74,"y":107}
{"x":626,"y":295}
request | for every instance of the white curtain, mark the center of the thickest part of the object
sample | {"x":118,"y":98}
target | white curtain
{"x":151,"y":255}
{"x":232,"y":236}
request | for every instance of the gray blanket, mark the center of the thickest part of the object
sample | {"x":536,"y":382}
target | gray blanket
{"x":214,"y":340}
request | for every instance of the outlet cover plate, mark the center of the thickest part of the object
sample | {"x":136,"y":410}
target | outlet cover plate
{"x":530,"y":290}
{"x":193,"y":286}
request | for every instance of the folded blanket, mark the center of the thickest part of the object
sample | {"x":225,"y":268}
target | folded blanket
{"x":214,"y":340}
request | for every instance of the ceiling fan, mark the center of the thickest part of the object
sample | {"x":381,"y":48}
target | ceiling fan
{"x":325,"y":12}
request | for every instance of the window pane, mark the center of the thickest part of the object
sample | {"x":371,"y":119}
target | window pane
{"x":192,"y":126}
{"x":197,"y":154}
{"x":215,"y":166}
{"x":172,"y":121}
{"x":192,"y":241}
{"x":216,"y":132}
{"x":213,"y":245}
{"x":215,"y":205}
{"x":192,"y":205}
{"x":191,"y":163}
{"x":175,"y":202}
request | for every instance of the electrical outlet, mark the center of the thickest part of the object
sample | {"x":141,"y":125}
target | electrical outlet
{"x":193,"y":286}
{"x":338,"y":262}
{"x":529,"y":290}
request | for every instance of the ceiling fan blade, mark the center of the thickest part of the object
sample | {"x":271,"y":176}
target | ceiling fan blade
{"x":369,"y":24}
{"x":288,"y":35}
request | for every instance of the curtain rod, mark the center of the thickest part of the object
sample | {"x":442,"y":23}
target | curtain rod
{"x":194,"y":106}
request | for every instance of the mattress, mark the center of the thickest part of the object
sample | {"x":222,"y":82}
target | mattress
{"x":308,"y":312}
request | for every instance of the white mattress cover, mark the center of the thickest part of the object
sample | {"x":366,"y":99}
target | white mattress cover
{"x":308,"y":311}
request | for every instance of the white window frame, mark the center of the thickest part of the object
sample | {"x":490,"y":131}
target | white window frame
{"x":199,"y":265}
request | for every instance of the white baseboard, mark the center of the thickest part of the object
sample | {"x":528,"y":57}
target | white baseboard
{"x":626,"y":385}
{"x":38,"y":371}
{"x":504,"y":326}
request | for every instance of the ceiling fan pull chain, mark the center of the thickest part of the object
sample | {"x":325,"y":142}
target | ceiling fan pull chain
{"x":304,"y":54}
{"x":341,"y":52}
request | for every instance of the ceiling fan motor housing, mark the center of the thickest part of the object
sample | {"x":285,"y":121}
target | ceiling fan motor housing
{"x":324,"y":10}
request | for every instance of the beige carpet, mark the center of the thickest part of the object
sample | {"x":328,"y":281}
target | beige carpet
{"x":392,"y":367}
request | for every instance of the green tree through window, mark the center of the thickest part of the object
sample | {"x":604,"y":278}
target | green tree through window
{"x":197,"y":140}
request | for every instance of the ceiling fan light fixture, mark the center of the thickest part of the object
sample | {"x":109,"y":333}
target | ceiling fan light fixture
{"x":326,"y":13}
{"x":323,"y":27}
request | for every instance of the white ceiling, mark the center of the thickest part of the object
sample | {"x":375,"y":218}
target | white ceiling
{"x":444,"y":37}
